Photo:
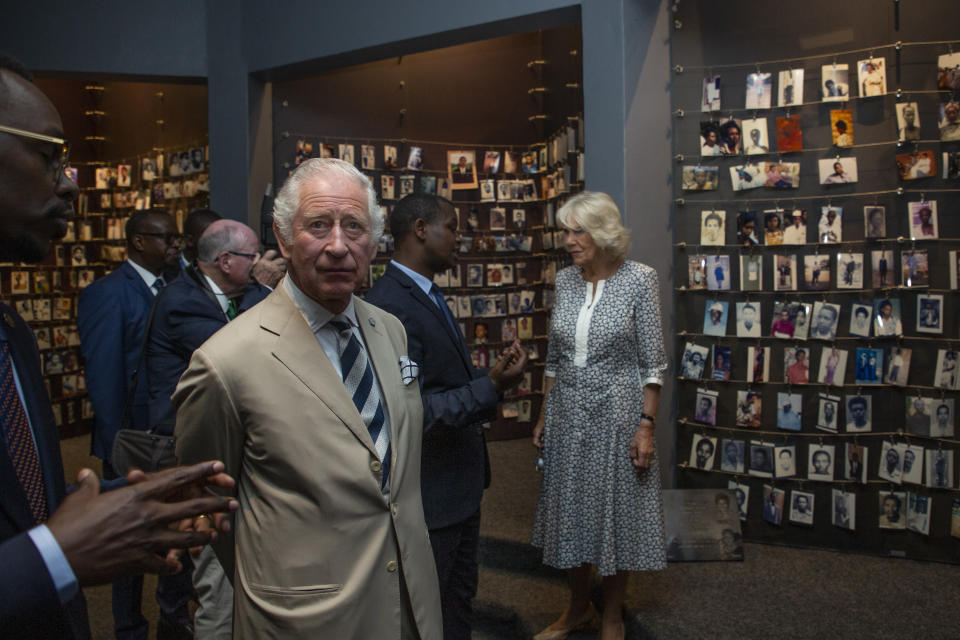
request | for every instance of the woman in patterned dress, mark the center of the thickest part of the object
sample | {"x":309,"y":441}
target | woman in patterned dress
{"x":600,"y":504}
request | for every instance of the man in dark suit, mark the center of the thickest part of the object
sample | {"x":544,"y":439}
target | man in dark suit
{"x":189,"y":310}
{"x":457,"y":398}
{"x":111,"y":317}
{"x":51,"y":545}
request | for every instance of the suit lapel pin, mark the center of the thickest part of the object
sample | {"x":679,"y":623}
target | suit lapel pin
{"x":9,"y":320}
{"x":373,"y":322}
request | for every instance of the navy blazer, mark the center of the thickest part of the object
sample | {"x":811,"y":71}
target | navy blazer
{"x":187,"y":315}
{"x":111,"y":316}
{"x":29,"y":604}
{"x":457,"y":398}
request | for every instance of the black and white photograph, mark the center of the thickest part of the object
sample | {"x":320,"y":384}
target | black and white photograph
{"x":709,"y":138}
{"x":498,"y":219}
{"x":883,"y":273}
{"x":913,"y":464}
{"x":715,"y":318}
{"x":706,"y":409}
{"x":898,"y":365}
{"x":949,"y":121}
{"x":868,"y":366}
{"x":407,"y":184}
{"x":742,"y":494}
{"x":837,"y":170}
{"x":712,"y":227}
{"x":699,"y":178}
{"x":487,"y":192}
{"x":930,"y":313}
{"x":855,"y":468}
{"x":789,"y":411}
{"x":731,"y":137}
{"x":748,"y":319}
{"x":923,"y":220}
{"x":801,"y":507}
{"x":759,"y":90}
{"x":914,"y":268}
{"x":732,"y":459}
{"x":702,"y":450}
{"x":751,"y":272}
{"x":946,"y":372}
{"x":148,"y":169}
{"x":893,"y":510}
{"x":829,"y":228}
{"x":849,"y":270}
{"x":891,"y":462}
{"x":834,"y":82}
{"x":749,"y":409}
{"x":939,"y":468}
{"x":368,"y":157}
{"x":860,"y":319}
{"x":874,"y":221}
{"x":773,"y":500}
{"x":718,"y":273}
{"x":710,"y":99}
{"x":345,"y":152}
{"x":696,"y":270}
{"x":519,"y":218}
{"x":474,"y":275}
{"x":916,"y":165}
{"x":694,"y":358}
{"x":820,"y":459}
{"x":833,"y":365}
{"x":872,"y":77}
{"x":826,"y":316}
{"x":785,"y":457}
{"x":828,"y":413}
{"x":747,"y":228}
{"x":918,"y":513}
{"x":785,"y":272}
{"x":790,"y":87}
{"x":908,"y":121}
{"x":844,"y":513}
{"x":816,"y":272}
{"x":747,"y":176}
{"x":758,"y":364}
{"x":702,"y":525}
{"x":859,"y":413}
{"x":756,"y":138}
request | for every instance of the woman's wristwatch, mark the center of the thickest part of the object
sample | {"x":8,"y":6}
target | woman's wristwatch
{"x":647,"y":416}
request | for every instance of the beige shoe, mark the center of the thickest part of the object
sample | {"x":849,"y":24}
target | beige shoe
{"x":560,"y":630}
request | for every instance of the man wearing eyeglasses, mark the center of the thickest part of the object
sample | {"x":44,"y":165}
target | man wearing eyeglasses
{"x":111,"y":316}
{"x":52,"y":544}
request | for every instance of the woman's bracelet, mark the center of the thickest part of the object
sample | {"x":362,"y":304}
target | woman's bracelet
{"x":647,"y":416}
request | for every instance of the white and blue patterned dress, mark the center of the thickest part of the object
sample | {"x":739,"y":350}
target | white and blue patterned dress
{"x":594,"y":506}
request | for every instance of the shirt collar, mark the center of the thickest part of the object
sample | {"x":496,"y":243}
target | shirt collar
{"x":316,"y":315}
{"x":221,"y":296}
{"x":421,"y":281}
{"x":148,"y":277}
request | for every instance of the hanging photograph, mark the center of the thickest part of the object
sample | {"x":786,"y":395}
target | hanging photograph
{"x":759,"y":90}
{"x":758,"y":364}
{"x":801,"y":507}
{"x":715,"y":318}
{"x":913,"y":464}
{"x":773,"y":500}
{"x":891,"y":462}
{"x":699,"y":178}
{"x":387,"y":187}
{"x":721,"y":363}
{"x":702,"y":449}
{"x":491,"y":162}
{"x":796,"y":365}
{"x":859,"y":413}
{"x":749,"y":412}
{"x":930,"y":313}
{"x":789,"y":411}
{"x":786,"y":461}
{"x":841,"y":127}
{"x":939,"y":468}
{"x":868,"y":367}
{"x":761,"y":459}
{"x":732,"y":457}
{"x":915,"y":268}
{"x":731,"y":137}
{"x":874,"y":221}
{"x":918,"y":513}
{"x":709,"y":138}
{"x":828,"y":414}
{"x":747,"y":176}
{"x":718,"y":273}
{"x":795,"y":227}
{"x":837,"y":170}
{"x":789,"y":134}
{"x":747,"y":228}
{"x":773,"y":227}
{"x":844,"y":514}
{"x":790,"y":83}
{"x":908,"y":121}
{"x":951,"y":165}
{"x":697,"y":269}
{"x":872,"y":75}
{"x":825,"y":320}
{"x":816,"y":272}
{"x":833,"y":365}
{"x":785,"y":268}
{"x":694,"y":357}
{"x":781,"y":175}
{"x":712,"y":227}
{"x":757,"y":140}
{"x":892,"y":510}
{"x":820,"y":462}
{"x":916,"y":165}
{"x":850,"y":271}
{"x":923,"y":220}
{"x":529,"y":162}
{"x":829,"y":228}
{"x":710,"y":98}
{"x":462,"y":169}
{"x":751,"y":273}
{"x":860,"y":315}
{"x":706,"y":411}
{"x":946,"y":371}
{"x":834,"y":82}
{"x":949,"y":121}
{"x":345,"y":152}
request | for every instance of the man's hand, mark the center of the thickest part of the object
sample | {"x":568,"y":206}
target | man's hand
{"x":508,"y":370}
{"x":270,"y":268}
{"x":132,"y":530}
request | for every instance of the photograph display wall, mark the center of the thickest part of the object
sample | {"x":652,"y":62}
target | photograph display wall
{"x":816,"y":252}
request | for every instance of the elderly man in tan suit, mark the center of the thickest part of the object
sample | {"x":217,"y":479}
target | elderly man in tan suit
{"x":312,"y":403}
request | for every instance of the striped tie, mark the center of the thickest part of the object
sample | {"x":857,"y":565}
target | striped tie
{"x":358,"y":379}
{"x":18,"y":439}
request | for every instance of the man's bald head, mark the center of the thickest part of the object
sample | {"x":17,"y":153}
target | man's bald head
{"x":224,"y":235}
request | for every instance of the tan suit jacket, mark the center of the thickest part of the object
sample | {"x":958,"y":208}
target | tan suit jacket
{"x":318,"y":550}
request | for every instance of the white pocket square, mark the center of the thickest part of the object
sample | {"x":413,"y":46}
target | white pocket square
{"x":409,"y":370}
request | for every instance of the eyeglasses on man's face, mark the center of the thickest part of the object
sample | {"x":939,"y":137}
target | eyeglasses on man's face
{"x":254,"y":257}
{"x":59,"y":155}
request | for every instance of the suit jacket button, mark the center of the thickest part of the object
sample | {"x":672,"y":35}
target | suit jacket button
{"x":393,"y":509}
{"x":375,"y":466}
{"x":392,"y":566}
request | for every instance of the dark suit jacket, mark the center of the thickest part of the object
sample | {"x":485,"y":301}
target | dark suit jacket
{"x":187,"y":315}
{"x":456,"y":399}
{"x":111,"y":316}
{"x":29,"y":605}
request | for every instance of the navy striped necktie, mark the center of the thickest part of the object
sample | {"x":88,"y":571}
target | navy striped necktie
{"x":358,"y":379}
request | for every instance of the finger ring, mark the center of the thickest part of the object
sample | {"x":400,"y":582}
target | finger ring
{"x":203,"y":515}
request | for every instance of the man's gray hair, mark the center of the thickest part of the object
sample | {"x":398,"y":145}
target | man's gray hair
{"x":288,"y":199}
{"x":220,"y":236}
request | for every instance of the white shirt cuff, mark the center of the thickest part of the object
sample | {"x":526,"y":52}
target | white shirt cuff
{"x":59,"y":569}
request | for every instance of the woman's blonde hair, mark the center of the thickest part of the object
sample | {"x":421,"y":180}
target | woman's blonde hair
{"x":597,"y":214}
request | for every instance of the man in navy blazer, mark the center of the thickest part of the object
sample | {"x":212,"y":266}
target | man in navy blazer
{"x":457,"y":398}
{"x":111,"y":317}
{"x":52,"y":544}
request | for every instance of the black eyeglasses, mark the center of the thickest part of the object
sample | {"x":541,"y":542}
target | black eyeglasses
{"x":168,"y":237}
{"x":250,"y":256}
{"x":58,"y":160}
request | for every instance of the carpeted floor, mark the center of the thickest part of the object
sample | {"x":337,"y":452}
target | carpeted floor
{"x":776,"y":592}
